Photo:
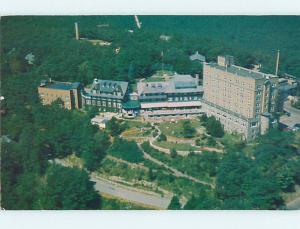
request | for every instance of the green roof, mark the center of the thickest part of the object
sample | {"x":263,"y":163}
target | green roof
{"x":131,"y":104}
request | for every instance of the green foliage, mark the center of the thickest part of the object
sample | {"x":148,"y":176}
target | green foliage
{"x":242,"y":186}
{"x":203,"y":118}
{"x":277,"y":155}
{"x":211,"y":141}
{"x":188,"y":130}
{"x":38,"y":134}
{"x":114,"y":127}
{"x":173,"y":153}
{"x":127,"y":150}
{"x":162,"y":137}
{"x":116,"y":204}
{"x":68,"y":189}
{"x":98,"y":147}
{"x":41,"y":133}
{"x":152,"y":175}
{"x":203,"y":201}
{"x":174,"y":204}
{"x":202,"y":166}
{"x":214,"y":127}
{"x":92,"y":111}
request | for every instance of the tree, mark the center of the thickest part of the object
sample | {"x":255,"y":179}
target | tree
{"x":152,"y":175}
{"x":27,"y":200}
{"x":162,"y":138}
{"x":127,"y":150}
{"x":242,"y":184}
{"x":173,"y":153}
{"x":174,"y":204}
{"x":203,"y":201}
{"x":92,"y":111}
{"x":214,"y":127}
{"x":211,"y":141}
{"x":95,"y":150}
{"x":68,"y":189}
{"x":114,"y":127}
{"x":188,"y":130}
{"x":203,"y":119}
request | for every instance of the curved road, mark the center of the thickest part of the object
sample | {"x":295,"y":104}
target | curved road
{"x":294,"y":205}
{"x":133,"y":195}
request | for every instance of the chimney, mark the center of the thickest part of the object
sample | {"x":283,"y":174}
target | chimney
{"x":277,"y":62}
{"x":76,"y":31}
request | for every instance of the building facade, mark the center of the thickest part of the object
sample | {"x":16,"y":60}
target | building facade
{"x":107,"y":95}
{"x":69,"y":93}
{"x":179,"y":96}
{"x":242,"y":99}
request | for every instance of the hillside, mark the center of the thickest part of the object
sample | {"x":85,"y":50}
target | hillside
{"x":58,"y":54}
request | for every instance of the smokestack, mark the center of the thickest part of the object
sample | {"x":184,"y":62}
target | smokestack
{"x":277,"y":62}
{"x":76,"y":31}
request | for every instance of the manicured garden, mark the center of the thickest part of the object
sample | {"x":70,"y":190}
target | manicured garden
{"x":176,"y":146}
{"x":181,"y":128}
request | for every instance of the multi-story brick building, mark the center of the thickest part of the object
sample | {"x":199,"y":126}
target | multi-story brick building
{"x":242,"y":99}
{"x":179,"y":96}
{"x":68,"y":93}
{"x":107,"y":95}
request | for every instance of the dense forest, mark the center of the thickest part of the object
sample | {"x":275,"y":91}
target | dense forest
{"x":35,"y":48}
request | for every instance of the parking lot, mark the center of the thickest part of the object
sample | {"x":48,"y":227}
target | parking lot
{"x":294,"y":117}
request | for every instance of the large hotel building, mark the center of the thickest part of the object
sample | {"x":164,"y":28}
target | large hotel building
{"x":243,"y":100}
{"x":177,"y":97}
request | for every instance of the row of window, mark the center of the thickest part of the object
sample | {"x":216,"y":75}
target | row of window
{"x":103,"y":103}
{"x":185,"y":98}
{"x":107,"y":93}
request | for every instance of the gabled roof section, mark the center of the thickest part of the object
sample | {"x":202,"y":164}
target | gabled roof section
{"x":109,"y":88}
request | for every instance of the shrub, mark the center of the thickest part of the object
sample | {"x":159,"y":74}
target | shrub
{"x":214,"y":127}
{"x":127,"y":150}
{"x":162,"y":138}
{"x":173,"y":153}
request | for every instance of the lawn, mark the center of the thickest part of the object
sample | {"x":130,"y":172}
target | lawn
{"x":175,"y":129}
{"x":137,"y":124}
{"x":134,"y":132}
{"x":176,"y":146}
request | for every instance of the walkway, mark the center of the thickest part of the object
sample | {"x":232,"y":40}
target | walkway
{"x":176,"y":172}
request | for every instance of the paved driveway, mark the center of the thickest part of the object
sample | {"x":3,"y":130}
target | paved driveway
{"x":132,"y":195}
{"x":294,"y":205}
